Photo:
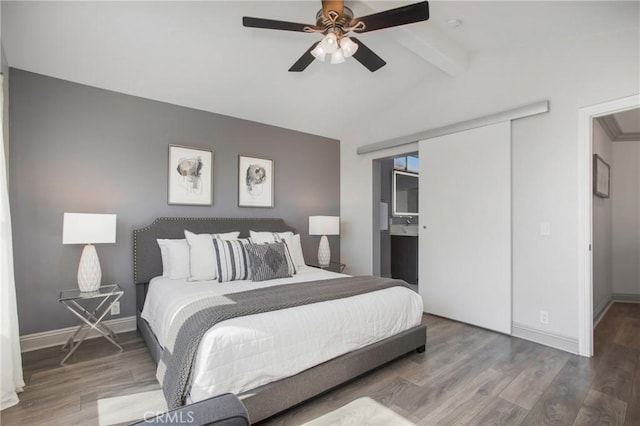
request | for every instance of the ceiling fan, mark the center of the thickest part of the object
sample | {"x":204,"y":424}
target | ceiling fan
{"x":335,"y":21}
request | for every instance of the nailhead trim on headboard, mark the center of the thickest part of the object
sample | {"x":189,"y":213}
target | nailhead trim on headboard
{"x":146,"y":253}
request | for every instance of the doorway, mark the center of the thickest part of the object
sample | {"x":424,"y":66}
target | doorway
{"x":398,"y":217}
{"x":615,"y":211}
{"x":585,"y":216}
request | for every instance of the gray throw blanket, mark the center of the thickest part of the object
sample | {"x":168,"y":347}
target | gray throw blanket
{"x":192,"y":322}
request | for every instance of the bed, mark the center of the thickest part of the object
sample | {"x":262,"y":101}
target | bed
{"x":292,"y":363}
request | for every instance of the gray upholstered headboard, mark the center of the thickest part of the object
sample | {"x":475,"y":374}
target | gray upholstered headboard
{"x":146,"y":253}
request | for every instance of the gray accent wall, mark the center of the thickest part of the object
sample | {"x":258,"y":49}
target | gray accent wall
{"x":76,"y":148}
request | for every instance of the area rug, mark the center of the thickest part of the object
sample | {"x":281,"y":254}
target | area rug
{"x":363,"y":411}
{"x":127,"y":408}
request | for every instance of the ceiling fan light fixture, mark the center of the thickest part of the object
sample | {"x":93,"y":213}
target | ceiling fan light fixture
{"x":334,"y":21}
{"x":348,"y":47}
{"x":337,"y":57}
{"x":318,"y":52}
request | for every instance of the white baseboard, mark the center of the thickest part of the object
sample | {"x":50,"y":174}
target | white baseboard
{"x":626,"y":297}
{"x":46,"y":339}
{"x":600,"y":311}
{"x":600,"y":314}
{"x":543,"y":337}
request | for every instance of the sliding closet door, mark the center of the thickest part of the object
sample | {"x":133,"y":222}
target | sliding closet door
{"x":465,"y":226}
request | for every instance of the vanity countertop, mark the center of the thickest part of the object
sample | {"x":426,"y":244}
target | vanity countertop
{"x":404,"y":230}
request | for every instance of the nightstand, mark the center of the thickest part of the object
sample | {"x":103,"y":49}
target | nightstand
{"x":332,"y":266}
{"x":106,"y":296}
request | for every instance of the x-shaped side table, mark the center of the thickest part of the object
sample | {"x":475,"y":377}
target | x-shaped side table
{"x":91,"y":320}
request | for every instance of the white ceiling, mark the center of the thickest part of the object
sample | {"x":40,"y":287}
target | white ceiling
{"x":198,"y":54}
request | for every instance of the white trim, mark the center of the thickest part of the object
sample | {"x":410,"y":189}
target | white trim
{"x":616,"y":298}
{"x":46,"y":339}
{"x":625,"y":297}
{"x":600,"y":314}
{"x":511,"y":114}
{"x":585,"y":204}
{"x":543,"y":337}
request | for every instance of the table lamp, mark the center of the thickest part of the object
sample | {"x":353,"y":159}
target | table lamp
{"x":324,"y":225}
{"x":89,"y":229}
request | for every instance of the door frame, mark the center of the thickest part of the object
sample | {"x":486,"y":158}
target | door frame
{"x":585,"y":213}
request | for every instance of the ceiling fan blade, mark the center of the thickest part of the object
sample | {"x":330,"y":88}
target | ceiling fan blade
{"x":393,"y":17}
{"x":366,"y":57}
{"x":335,"y":5}
{"x":271,"y":24}
{"x":304,"y":61}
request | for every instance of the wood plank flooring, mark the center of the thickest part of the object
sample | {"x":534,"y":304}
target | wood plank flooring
{"x":467,"y":375}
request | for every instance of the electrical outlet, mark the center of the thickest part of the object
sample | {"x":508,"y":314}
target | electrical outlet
{"x":544,"y":317}
{"x":115,"y":308}
{"x":545,"y":229}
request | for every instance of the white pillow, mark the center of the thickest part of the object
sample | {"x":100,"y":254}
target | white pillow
{"x":288,"y":243}
{"x":227,"y":235}
{"x":268,"y":237}
{"x":295,"y":247}
{"x":164,"y":255}
{"x":202,"y":264}
{"x":175,"y":262}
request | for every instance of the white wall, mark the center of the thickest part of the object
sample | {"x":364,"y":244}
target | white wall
{"x":625,"y":196}
{"x":544,"y":156}
{"x":601,"y":237}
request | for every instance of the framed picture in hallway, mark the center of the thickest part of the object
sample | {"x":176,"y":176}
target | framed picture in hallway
{"x":601,"y":174}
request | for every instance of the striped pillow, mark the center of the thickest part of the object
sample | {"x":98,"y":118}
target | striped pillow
{"x":231,"y":259}
{"x":268,"y":261}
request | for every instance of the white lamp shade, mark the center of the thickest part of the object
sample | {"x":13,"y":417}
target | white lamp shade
{"x":324,"y":225}
{"x":337,"y":57}
{"x":86,"y":228}
{"x":329,"y":43}
{"x":318,"y":52}
{"x":348,"y":47}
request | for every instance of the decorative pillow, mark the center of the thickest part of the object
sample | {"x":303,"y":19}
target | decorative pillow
{"x":175,"y":262}
{"x":296,"y":251}
{"x":268,"y":261}
{"x":202,"y":256}
{"x":231,"y":259}
{"x":276,"y":237}
{"x":227,"y":235}
{"x":268,"y":237}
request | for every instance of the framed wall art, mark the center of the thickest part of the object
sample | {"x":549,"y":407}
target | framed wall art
{"x":601,"y":177}
{"x":255,"y":182}
{"x":190,"y":176}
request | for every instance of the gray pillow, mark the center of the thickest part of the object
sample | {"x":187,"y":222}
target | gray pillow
{"x":268,"y":261}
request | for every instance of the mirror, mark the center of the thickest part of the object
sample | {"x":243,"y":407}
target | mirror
{"x":405,"y":193}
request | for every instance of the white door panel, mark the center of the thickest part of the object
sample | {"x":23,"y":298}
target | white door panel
{"x":465,"y":226}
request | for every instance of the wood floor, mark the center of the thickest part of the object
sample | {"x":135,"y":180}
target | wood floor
{"x":467,"y":376}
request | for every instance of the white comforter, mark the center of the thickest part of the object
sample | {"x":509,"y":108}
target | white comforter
{"x":243,"y":353}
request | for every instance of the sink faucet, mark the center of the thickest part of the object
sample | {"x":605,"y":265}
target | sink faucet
{"x":409,"y":220}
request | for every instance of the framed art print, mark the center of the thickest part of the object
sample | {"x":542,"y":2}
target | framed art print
{"x":190,"y":176}
{"x":601,"y":176}
{"x":255,"y":182}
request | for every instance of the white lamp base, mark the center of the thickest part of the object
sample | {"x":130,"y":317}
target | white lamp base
{"x":324,"y":252}
{"x":89,"y":273}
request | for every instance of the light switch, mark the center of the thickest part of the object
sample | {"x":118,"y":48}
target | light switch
{"x":545,"y":229}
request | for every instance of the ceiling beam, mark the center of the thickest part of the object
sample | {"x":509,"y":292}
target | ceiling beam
{"x":426,"y":41}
